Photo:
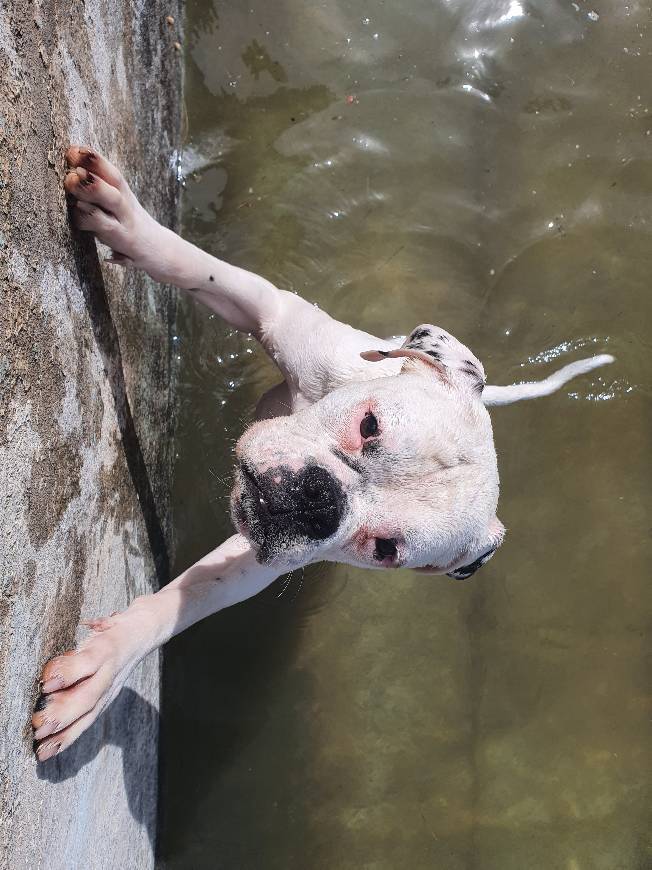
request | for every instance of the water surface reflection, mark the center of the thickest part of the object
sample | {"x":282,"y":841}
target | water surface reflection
{"x":486,"y":166}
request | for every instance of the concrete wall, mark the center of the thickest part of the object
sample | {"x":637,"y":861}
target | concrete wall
{"x":85,"y":413}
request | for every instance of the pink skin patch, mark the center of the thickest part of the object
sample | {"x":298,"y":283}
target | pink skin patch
{"x":349,"y":438}
{"x":363,"y":545}
{"x":363,"y":542}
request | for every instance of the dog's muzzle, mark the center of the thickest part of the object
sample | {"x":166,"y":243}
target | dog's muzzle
{"x":281,"y":508}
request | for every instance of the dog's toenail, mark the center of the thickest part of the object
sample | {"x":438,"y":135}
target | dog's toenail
{"x":41,"y":703}
{"x":48,"y":746}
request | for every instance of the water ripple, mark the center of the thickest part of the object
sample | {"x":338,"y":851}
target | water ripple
{"x":565,"y":347}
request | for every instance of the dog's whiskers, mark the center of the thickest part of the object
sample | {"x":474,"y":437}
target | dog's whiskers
{"x":222,"y":480}
{"x":286,"y":584}
{"x":300,"y":585}
{"x":288,"y":581}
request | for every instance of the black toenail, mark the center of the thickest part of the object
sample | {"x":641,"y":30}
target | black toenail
{"x":41,"y":703}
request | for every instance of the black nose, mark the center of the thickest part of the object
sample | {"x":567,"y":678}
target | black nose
{"x":309,"y":503}
{"x":320,"y":502}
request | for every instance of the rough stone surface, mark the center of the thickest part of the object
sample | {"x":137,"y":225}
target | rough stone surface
{"x":85,"y":413}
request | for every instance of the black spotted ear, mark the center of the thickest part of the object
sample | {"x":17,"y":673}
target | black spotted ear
{"x":441,"y":351}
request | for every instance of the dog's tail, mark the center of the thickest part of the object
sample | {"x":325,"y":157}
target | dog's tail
{"x":532,"y":390}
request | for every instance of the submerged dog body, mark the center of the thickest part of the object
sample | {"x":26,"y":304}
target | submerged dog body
{"x":371,"y":452}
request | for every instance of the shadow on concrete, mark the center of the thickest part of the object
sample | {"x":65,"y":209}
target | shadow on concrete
{"x":131,"y":723}
{"x":91,"y":281}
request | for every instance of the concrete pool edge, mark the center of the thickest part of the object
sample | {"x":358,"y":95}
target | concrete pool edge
{"x":86,"y":414}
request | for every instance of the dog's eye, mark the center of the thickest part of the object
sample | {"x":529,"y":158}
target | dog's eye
{"x":384,"y":547}
{"x":369,"y":426}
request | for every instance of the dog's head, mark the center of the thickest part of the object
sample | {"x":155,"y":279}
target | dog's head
{"x":397,"y":471}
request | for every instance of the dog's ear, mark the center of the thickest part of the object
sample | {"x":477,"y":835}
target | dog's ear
{"x":475,"y":557}
{"x":434,"y":351}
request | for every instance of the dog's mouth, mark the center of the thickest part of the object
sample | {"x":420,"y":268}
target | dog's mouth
{"x":267,"y":526}
{"x":249,"y":488}
{"x":252,"y":496}
{"x":243,"y":491}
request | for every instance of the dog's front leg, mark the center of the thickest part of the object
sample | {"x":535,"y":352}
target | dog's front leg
{"x":79,"y":684}
{"x":298,"y":336}
{"x":104,"y":204}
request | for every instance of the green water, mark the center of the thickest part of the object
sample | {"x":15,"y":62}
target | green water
{"x":486,"y":166}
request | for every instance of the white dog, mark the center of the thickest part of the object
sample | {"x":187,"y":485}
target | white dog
{"x":374,"y":453}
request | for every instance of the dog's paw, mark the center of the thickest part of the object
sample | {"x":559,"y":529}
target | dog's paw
{"x":78,"y":685}
{"x":103,"y":203}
